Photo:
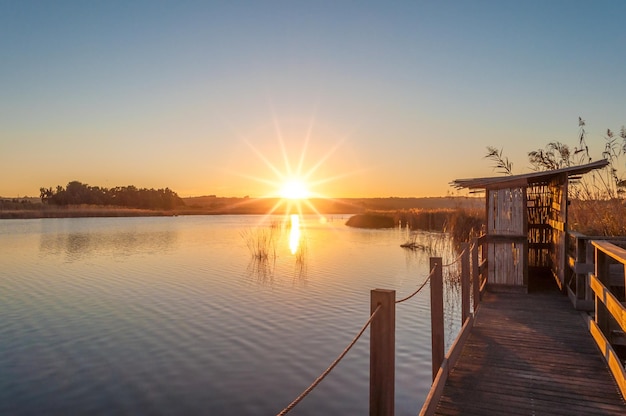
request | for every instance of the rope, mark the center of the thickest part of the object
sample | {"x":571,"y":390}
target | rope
{"x":455,"y":260}
{"x":418,"y":289}
{"x":329,"y":369}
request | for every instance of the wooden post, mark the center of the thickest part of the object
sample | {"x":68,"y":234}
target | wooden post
{"x":589,"y":259}
{"x":382,"y":352}
{"x":465,"y":282}
{"x":603,"y":275}
{"x":436,"y":314}
{"x":475,"y":275}
{"x":580,"y":246}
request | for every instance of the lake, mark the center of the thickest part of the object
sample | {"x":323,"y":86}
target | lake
{"x":174,"y":315}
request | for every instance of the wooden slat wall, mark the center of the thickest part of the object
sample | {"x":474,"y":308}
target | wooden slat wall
{"x":539,"y":231}
{"x":506,"y":265}
{"x":507,"y":218}
{"x":506,"y":214}
{"x":558,"y":215}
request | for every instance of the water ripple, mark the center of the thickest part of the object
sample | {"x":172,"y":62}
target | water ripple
{"x":173,"y":316}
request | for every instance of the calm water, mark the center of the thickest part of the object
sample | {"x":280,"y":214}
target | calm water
{"x":174,"y":316}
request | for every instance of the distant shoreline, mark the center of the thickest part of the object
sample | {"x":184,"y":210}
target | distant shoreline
{"x":241,"y":206}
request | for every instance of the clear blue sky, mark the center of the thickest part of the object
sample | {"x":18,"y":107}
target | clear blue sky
{"x":368,"y":98}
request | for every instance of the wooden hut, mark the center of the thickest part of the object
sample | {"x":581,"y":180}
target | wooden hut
{"x":526,"y":224}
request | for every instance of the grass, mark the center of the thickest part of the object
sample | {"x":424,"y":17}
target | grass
{"x":598,"y":217}
{"x":79,"y":211}
{"x":261,"y":242}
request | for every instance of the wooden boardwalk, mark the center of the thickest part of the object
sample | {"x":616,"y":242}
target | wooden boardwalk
{"x":530,"y":354}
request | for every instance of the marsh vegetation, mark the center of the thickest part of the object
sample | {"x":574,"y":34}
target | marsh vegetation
{"x":261,"y":242}
{"x":597,"y":204}
{"x":462,"y":224}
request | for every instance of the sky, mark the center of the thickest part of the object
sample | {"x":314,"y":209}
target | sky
{"x":357,"y":98}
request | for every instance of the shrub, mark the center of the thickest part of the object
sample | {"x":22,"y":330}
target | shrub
{"x":371,"y":221}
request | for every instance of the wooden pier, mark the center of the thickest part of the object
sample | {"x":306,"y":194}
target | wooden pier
{"x":536,"y":353}
{"x":530,"y":354}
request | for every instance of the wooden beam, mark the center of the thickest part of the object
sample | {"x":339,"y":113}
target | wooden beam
{"x":610,"y":356}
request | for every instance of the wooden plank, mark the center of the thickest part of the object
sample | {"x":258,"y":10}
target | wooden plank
{"x":456,"y":348}
{"x":556,"y":225}
{"x":430,"y":405}
{"x":529,"y":354}
{"x":583,"y":268}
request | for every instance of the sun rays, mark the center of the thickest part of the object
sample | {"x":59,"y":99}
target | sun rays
{"x":295,"y":177}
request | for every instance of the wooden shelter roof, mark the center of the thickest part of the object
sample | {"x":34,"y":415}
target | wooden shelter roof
{"x":527,"y":179}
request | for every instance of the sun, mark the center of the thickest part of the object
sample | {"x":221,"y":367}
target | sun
{"x":298,"y":184}
{"x":294,"y":189}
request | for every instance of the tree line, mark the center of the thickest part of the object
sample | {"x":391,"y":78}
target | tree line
{"x":77,"y":193}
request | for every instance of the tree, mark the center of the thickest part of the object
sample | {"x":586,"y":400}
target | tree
{"x":45,"y":194}
{"x":76,"y":193}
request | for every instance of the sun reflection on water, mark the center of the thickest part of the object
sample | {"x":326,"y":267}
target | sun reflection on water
{"x":294,"y":233}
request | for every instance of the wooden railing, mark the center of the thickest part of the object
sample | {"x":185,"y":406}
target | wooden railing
{"x":581,"y":262}
{"x":609,"y":324}
{"x":474,"y":274}
{"x":598,"y":283}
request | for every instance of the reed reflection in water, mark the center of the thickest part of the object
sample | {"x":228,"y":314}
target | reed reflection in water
{"x":267,"y":242}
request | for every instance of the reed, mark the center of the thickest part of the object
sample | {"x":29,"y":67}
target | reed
{"x":465,"y":224}
{"x":261,"y":242}
{"x":462,"y":223}
{"x":301,"y":256}
{"x":598,"y":217}
{"x":423,"y":219}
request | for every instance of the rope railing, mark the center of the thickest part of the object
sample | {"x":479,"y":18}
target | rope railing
{"x":418,"y":289}
{"x":382,"y":343}
{"x":456,"y":260}
{"x":330,"y":368}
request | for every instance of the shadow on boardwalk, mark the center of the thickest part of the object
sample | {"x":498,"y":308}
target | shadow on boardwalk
{"x":530,"y":354}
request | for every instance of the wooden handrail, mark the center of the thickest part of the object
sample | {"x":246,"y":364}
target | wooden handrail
{"x":616,"y":253}
{"x":610,"y":313}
